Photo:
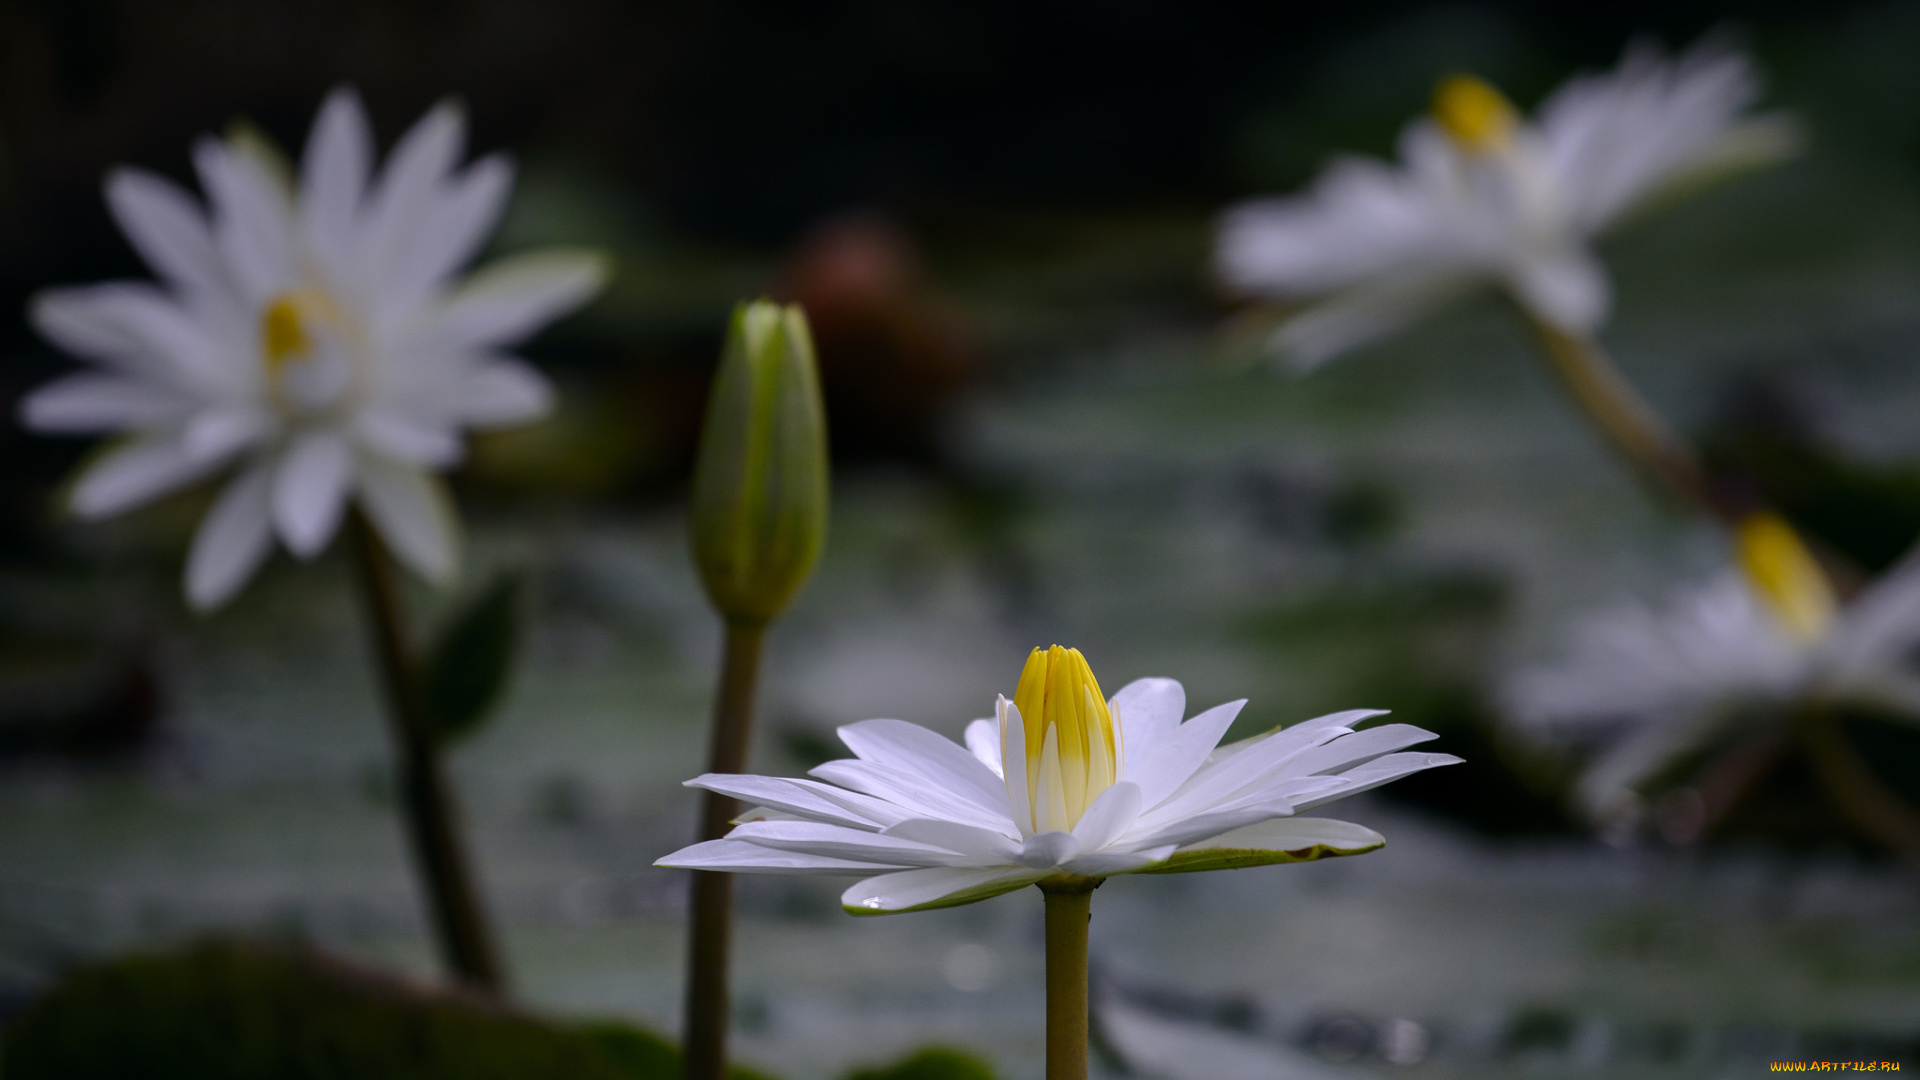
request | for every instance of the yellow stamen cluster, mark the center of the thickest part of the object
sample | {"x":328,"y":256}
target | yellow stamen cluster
{"x":1786,"y":575}
{"x":283,"y":334}
{"x":1474,"y":114}
{"x":1072,"y":745}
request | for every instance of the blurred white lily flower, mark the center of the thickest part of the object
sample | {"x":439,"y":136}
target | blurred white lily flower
{"x":1482,"y":195}
{"x":1060,"y":782}
{"x":312,"y":336}
{"x":1646,"y":688}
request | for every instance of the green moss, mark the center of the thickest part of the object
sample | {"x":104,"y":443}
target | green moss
{"x":231,"y":1011}
{"x":934,"y":1063}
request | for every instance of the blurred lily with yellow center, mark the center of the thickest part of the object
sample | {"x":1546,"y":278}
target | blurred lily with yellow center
{"x":1060,"y":788}
{"x":311,"y":335}
{"x":1763,"y":647}
{"x":1483,"y":195}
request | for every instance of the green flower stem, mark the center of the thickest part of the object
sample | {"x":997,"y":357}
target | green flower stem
{"x":1069,"y":910}
{"x":1860,"y":794}
{"x":459,"y":921}
{"x":705,"y":1043}
{"x":1629,"y":422}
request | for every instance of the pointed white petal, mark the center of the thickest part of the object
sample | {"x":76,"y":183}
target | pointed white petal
{"x":310,"y":491}
{"x":1047,"y":850}
{"x":139,"y":329}
{"x":415,"y":515}
{"x":1050,"y":788}
{"x":740,"y":857}
{"x":233,"y":540}
{"x":910,"y":748}
{"x":911,"y":791}
{"x":252,"y":223}
{"x":168,"y":229}
{"x":960,"y":839}
{"x":1149,"y":712}
{"x":218,"y":432}
{"x":1366,"y":313}
{"x":1380,"y":771}
{"x":1282,"y":840}
{"x":983,"y":739}
{"x":809,"y":799}
{"x":920,"y":890}
{"x":1013,"y":751}
{"x":839,"y":842}
{"x":1209,"y":822}
{"x":1243,"y":770}
{"x":1161,"y":768}
{"x":1566,"y":288}
{"x":91,"y":403}
{"x":1346,"y":751}
{"x":1111,"y":813}
{"x":409,"y":438}
{"x":507,"y":300}
{"x":135,"y":474}
{"x":449,"y":230}
{"x":498,"y":393}
{"x":333,"y":179}
{"x":1104,"y":863}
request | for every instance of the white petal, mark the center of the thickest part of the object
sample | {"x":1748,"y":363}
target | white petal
{"x":1163,"y":767}
{"x":1566,"y":288}
{"x":983,"y":738}
{"x":94,"y":403}
{"x":310,"y":491}
{"x":1103,"y":863}
{"x":1207,"y":823}
{"x":218,"y":432}
{"x":1111,"y":813}
{"x":1049,"y":788}
{"x":912,"y":792}
{"x":1149,"y":711}
{"x":334,"y":179}
{"x":169,"y":230}
{"x":1354,"y":749}
{"x":415,"y":515}
{"x":507,"y":300}
{"x":420,"y":161}
{"x":135,"y":474}
{"x":1047,"y":850}
{"x":740,"y":857}
{"x":957,"y":838}
{"x":1380,"y":771}
{"x":910,"y":748}
{"x":235,"y":537}
{"x":409,"y":438}
{"x":913,"y":890}
{"x":839,"y":842}
{"x":1294,"y":834}
{"x":498,"y":393}
{"x":1365,"y":313}
{"x":1013,"y":751}
{"x":448,"y":231}
{"x":806,"y":798}
{"x":252,"y":223}
{"x":139,"y":329}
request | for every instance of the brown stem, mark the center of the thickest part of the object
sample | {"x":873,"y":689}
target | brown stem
{"x":1860,"y":795}
{"x":1629,"y":423}
{"x":432,"y":820}
{"x":1069,"y":903}
{"x":705,"y":1043}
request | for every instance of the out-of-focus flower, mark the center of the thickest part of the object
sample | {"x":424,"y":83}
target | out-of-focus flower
{"x":312,"y":334}
{"x":1482,"y":195}
{"x":1646,"y":687}
{"x":759,"y":516}
{"x":1060,"y":782}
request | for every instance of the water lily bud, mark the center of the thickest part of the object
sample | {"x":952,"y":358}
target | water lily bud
{"x":760,"y":481}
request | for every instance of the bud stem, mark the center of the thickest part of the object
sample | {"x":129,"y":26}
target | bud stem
{"x":1069,"y":909}
{"x":1629,"y":422}
{"x":705,"y":1043}
{"x":459,"y":921}
{"x":1856,"y":790}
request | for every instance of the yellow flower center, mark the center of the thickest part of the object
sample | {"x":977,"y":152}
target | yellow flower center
{"x":1474,"y":114}
{"x":1786,"y":575}
{"x":283,"y":336}
{"x":1073,"y":747}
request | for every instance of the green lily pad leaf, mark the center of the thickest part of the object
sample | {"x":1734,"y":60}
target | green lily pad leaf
{"x":1283,"y":840}
{"x":464,"y":675}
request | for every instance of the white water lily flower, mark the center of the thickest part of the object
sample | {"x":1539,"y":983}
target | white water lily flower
{"x":1648,"y":687}
{"x":1483,"y":196}
{"x":1059,"y":782}
{"x":309,"y":336}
